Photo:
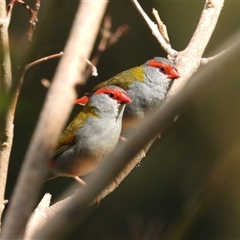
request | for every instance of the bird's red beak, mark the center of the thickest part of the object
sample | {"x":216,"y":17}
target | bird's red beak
{"x":124,"y":98}
{"x":82,"y":101}
{"x":173,"y":73}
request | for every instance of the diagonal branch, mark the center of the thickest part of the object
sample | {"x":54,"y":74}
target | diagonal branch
{"x":57,"y":107}
{"x":155,"y":31}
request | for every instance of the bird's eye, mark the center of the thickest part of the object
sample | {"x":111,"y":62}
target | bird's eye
{"x":111,"y":95}
{"x":162,"y":69}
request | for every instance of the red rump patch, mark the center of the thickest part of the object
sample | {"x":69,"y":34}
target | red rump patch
{"x":82,"y":101}
{"x":51,"y":163}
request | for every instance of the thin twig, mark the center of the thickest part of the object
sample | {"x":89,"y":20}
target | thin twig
{"x":108,"y":39}
{"x":154,"y":28}
{"x":33,"y":20}
{"x":20,"y":82}
{"x":161,"y":26}
{"x":33,"y":15}
{"x":205,"y":61}
{"x":53,"y":56}
{"x":93,"y":68}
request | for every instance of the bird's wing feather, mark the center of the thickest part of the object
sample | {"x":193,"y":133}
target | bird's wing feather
{"x":123,"y":79}
{"x":67,"y":138}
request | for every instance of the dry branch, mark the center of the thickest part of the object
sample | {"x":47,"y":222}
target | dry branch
{"x":155,"y":31}
{"x":6,"y":127}
{"x":33,"y":15}
{"x":57,"y":107}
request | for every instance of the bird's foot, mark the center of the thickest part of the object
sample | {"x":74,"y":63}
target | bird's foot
{"x":123,"y":139}
{"x":79,"y":180}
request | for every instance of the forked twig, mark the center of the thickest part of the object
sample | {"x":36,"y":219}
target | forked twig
{"x":161,"y":26}
{"x":108,"y":39}
{"x":33,"y":15}
{"x":155,"y":31}
{"x":20,"y":83}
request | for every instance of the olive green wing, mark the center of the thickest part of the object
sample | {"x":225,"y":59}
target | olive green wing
{"x":124,"y":79}
{"x":67,"y":138}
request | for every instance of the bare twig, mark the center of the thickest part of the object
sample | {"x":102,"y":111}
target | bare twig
{"x":33,"y":15}
{"x":108,"y":38}
{"x":45,"y":82}
{"x":205,"y":61}
{"x":93,"y":68}
{"x":57,"y":107}
{"x":154,"y":28}
{"x":12,"y":108}
{"x":162,"y":27}
{"x":33,"y":20}
{"x":53,"y":56}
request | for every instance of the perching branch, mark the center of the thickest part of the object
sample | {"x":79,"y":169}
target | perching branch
{"x":188,"y":60}
{"x":57,"y":207}
{"x":57,"y":107}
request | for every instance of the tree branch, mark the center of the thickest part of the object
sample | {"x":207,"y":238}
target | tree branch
{"x":57,"y":107}
{"x":5,"y":63}
{"x":33,"y":15}
{"x":6,"y":126}
{"x":155,"y":31}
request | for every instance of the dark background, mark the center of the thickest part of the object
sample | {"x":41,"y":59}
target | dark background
{"x":154,"y":194}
